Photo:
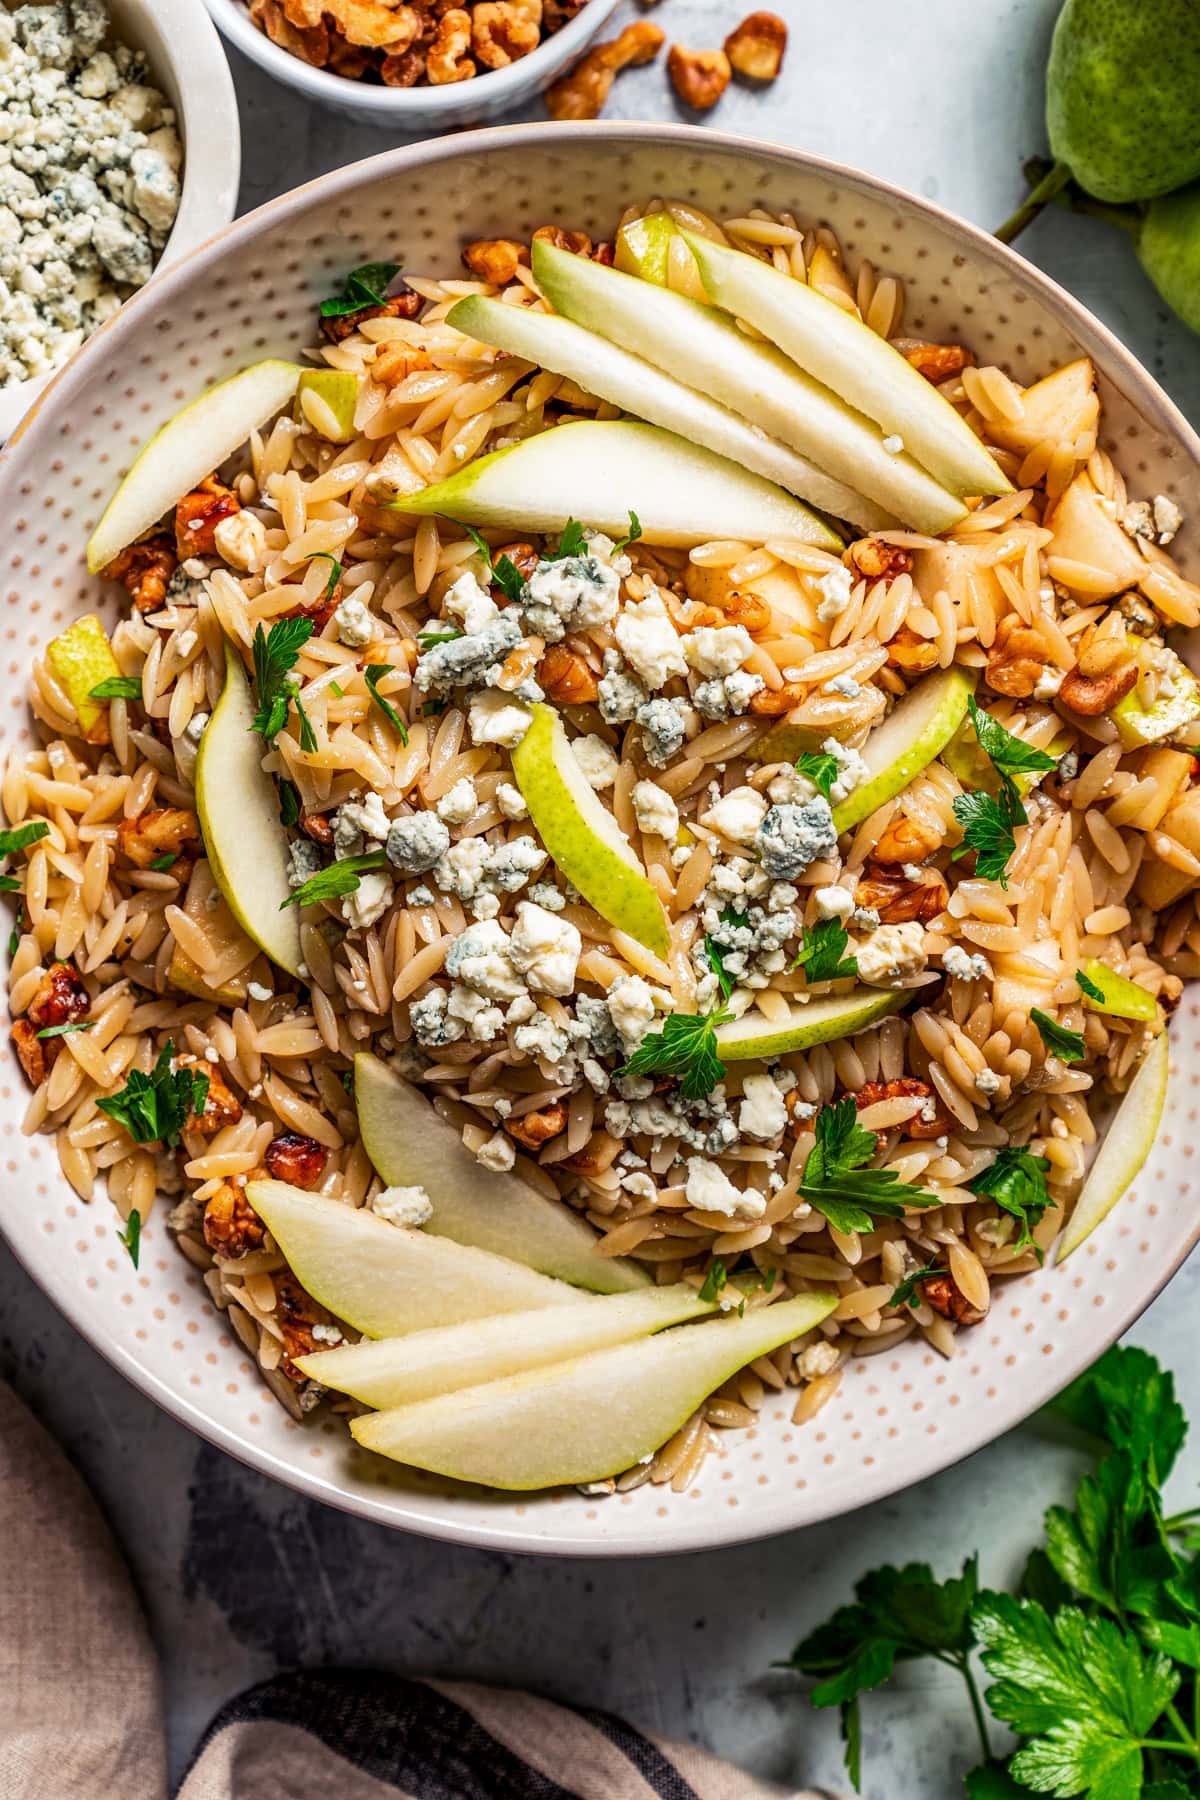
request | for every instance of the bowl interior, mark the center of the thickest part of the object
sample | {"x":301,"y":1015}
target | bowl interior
{"x":896,"y":1418}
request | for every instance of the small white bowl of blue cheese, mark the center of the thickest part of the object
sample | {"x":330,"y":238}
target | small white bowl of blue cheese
{"x":99,"y":102}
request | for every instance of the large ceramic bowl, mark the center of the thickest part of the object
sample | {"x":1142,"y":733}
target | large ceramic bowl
{"x":188,"y":64}
{"x":896,"y":1418}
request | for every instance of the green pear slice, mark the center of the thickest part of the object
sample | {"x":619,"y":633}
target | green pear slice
{"x":753,"y":1038}
{"x":913,"y":734}
{"x":584,"y":840}
{"x":239,"y":820}
{"x":205,"y":904}
{"x":611,"y":373}
{"x":410,"y":1146}
{"x":588,"y":1418}
{"x":338,"y":389}
{"x":398,"y":1371}
{"x":1120,"y":997}
{"x":643,"y":247}
{"x":854,"y":361}
{"x":186,"y":449}
{"x":1124,"y":1149}
{"x":703,"y":347}
{"x":386,"y":1280}
{"x":602,"y":470}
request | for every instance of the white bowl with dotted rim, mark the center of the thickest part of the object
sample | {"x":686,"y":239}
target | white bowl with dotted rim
{"x":475,"y":102}
{"x":252,"y":293}
{"x":187,"y":62}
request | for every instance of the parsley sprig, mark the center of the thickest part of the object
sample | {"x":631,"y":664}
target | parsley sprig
{"x":1016,"y":1181}
{"x":117,"y":687}
{"x":1094,"y":1662}
{"x":823,"y":952}
{"x":687,"y":1047}
{"x":373,"y":674}
{"x":153,"y":1108}
{"x":819,"y":767}
{"x":1059,"y":1040}
{"x":988,"y":821}
{"x":837,"y":1182}
{"x":717,"y":952}
{"x":505,"y":573}
{"x":275,"y":656}
{"x":905,"y":1292}
{"x":364,"y":286}
{"x":338,"y":879}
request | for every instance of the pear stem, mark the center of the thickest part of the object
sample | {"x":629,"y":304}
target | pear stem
{"x":1046,"y":190}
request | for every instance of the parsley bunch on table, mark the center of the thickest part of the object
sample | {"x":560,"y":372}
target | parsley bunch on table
{"x":1094,"y":1664}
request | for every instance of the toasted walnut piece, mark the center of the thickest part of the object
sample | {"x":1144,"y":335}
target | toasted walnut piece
{"x":941,"y":1292}
{"x":320,"y":610}
{"x":537,"y":1128}
{"x":145,"y":569}
{"x":524,"y":559}
{"x":221,"y":1105}
{"x":575,"y":243}
{"x":402,"y":71}
{"x":1017,"y":659}
{"x":449,"y":57}
{"x":749,"y":610}
{"x":907,"y":1087}
{"x":397,"y":306}
{"x":606,"y":254}
{"x":311,"y":47}
{"x":59,"y":999}
{"x":348,"y":60}
{"x":911,"y":654}
{"x":582,"y":93}
{"x":495,"y":259}
{"x":871,"y":557}
{"x":699,"y":77}
{"x":502,"y":34}
{"x":896,"y":901}
{"x":596,"y":1156}
{"x":231,"y":1225}
{"x":772,"y":703}
{"x":520,"y":664}
{"x":305,"y":15}
{"x":199,"y":513}
{"x":317,"y":826}
{"x":566,"y":677}
{"x":32,"y":1052}
{"x":394,"y":363}
{"x":295,"y":1158}
{"x":297,"y":1313}
{"x":375,"y":25}
{"x":163,"y":831}
{"x":557,"y":13}
{"x":755,"y":47}
{"x":1093,"y":695}
{"x":938,"y":362}
{"x":905,"y":840}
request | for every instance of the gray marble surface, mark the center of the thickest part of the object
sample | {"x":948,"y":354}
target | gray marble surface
{"x":241,"y":1577}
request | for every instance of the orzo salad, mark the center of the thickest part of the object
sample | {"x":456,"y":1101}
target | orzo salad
{"x":613,"y":862}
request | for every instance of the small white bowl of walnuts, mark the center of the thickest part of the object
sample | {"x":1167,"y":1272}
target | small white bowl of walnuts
{"x":428,"y":65}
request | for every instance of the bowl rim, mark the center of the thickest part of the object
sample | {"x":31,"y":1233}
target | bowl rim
{"x":1120,"y":366}
{"x":383,"y":105}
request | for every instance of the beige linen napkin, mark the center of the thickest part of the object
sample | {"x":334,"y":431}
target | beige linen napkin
{"x":81,"y":1707}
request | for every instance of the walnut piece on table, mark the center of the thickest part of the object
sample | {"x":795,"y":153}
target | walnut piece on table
{"x":755,"y":48}
{"x":699,"y":77}
{"x":582,"y":93}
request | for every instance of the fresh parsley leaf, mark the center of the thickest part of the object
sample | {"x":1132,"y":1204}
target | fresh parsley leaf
{"x":1126,"y":1400}
{"x":1087,"y":986}
{"x":992,"y":1781}
{"x":1112,"y":1548}
{"x":987,"y":826}
{"x":631,"y":536}
{"x":153,"y":1108}
{"x":117,"y":687}
{"x":372,"y":675}
{"x":437,"y":631}
{"x":10,"y":884}
{"x":571,"y":543}
{"x":335,"y":571}
{"x":338,"y":879}
{"x":837,"y":1184}
{"x":289,"y":803}
{"x":53,"y":1031}
{"x":716,"y":952}
{"x":687,"y":1047}
{"x":1016,"y":1181}
{"x":823,"y":955}
{"x":508,"y":578}
{"x":131,"y":1237}
{"x":19,"y":837}
{"x":308,"y":737}
{"x":714,"y":1281}
{"x":906,"y":1293}
{"x":164,"y":862}
{"x":14,"y":936}
{"x":480,"y":542}
{"x":348,"y":1080}
{"x":339,"y":693}
{"x":819,"y":768}
{"x":1009,"y":755}
{"x":275,"y":654}
{"x":364,"y":286}
{"x":1067,"y":1045}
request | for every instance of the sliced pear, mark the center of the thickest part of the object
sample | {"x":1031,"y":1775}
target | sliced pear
{"x":643,"y":247}
{"x":239,"y":820}
{"x":335,"y":393}
{"x":603,"y":368}
{"x":1137,"y":724}
{"x":411,"y":1146}
{"x":839,"y":350}
{"x":603,"y":470}
{"x":583,"y":838}
{"x":81,"y":657}
{"x":399,"y":1371}
{"x":1123,"y":998}
{"x":186,"y":449}
{"x":703,"y":347}
{"x":1062,"y":408}
{"x":589,"y":1418}
{"x":1087,"y":537}
{"x":386,"y":1280}
{"x":204,"y":903}
{"x":755,"y":1039}
{"x":1125,"y":1147}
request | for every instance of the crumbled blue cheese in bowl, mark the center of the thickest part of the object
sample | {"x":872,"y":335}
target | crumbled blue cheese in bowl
{"x":90,"y":162}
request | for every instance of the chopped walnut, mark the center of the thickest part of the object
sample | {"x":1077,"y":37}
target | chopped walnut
{"x":449,"y":57}
{"x":942,"y":1293}
{"x":911,"y":654}
{"x":566,"y":677}
{"x":163,"y":831}
{"x":145,"y":569}
{"x":199,"y":513}
{"x":297,"y":1313}
{"x":699,"y":77}
{"x":59,"y":999}
{"x":582,"y":93}
{"x":231,"y":1225}
{"x":495,"y":259}
{"x":1094,"y":695}
{"x":898,"y":900}
{"x":755,"y":47}
{"x":938,"y":362}
{"x":773,"y":703}
{"x":933,"y":1121}
{"x":311,"y":47}
{"x":904,"y":840}
{"x":394,"y":363}
{"x":874,"y":559}
{"x":402,"y":71}
{"x":502,"y":33}
{"x":524,"y":559}
{"x":397,"y":306}
{"x":221,"y":1105}
{"x":374,"y":25}
{"x":534,"y":1129}
{"x":349,"y":61}
{"x":296,"y":1158}
{"x":575,"y":243}
{"x":317,"y":826}
{"x":1018,"y":658}
{"x":32,"y":1051}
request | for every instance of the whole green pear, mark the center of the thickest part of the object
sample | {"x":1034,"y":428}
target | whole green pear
{"x":1168,"y":247}
{"x":1123,"y":95}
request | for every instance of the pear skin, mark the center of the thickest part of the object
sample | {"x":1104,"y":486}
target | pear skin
{"x":1168,"y":249}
